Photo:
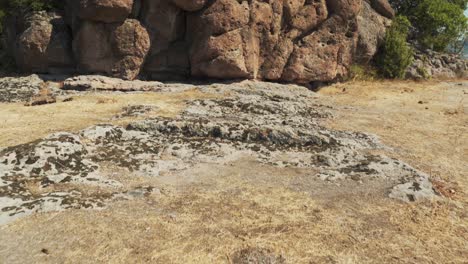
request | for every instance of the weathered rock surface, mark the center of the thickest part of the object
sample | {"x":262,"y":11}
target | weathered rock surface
{"x":190,"y":5}
{"x":295,"y":41}
{"x":30,"y":89}
{"x":13,"y":89}
{"x":98,"y":82}
{"x":44,"y":45}
{"x":383,"y":7}
{"x":107,"y":11}
{"x":275,"y":125}
{"x":431,"y":64}
{"x":44,"y":97}
{"x":371,"y":33}
{"x":117,"y":50}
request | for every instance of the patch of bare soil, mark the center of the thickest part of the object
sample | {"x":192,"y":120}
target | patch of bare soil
{"x":248,"y":173}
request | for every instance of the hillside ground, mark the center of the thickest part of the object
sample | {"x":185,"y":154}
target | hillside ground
{"x":228,"y":213}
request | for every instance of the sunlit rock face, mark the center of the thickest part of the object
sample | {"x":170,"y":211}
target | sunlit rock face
{"x":298,"y":41}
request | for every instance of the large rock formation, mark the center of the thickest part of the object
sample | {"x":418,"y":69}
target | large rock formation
{"x":115,"y":49}
{"x":293,"y":41}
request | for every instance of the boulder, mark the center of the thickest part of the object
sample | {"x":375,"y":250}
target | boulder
{"x":190,"y":5}
{"x":371,"y":33}
{"x":107,"y":11}
{"x":220,"y":57}
{"x":117,"y":50}
{"x":45,"y":45}
{"x":309,"y":16}
{"x":429,"y":64}
{"x":383,"y":7}
{"x":332,"y":47}
{"x":20,"y":89}
{"x":277,"y":41}
{"x":217,"y":44}
{"x":130,"y":43}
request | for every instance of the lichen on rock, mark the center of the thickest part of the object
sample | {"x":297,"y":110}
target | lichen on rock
{"x":272,"y":124}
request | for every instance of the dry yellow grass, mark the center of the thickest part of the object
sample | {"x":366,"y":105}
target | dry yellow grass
{"x":21,"y":124}
{"x":427,"y":122}
{"x":247,"y":205}
{"x":200,"y":226}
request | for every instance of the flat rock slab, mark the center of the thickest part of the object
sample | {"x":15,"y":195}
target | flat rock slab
{"x":276,"y":125}
{"x":97,"y":82}
{"x":19,"y":89}
{"x":30,"y":89}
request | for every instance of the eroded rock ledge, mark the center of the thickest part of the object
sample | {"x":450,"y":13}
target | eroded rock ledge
{"x":297,"y":41}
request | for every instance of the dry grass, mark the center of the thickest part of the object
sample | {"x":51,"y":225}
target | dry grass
{"x":426,"y":122}
{"x":200,"y":226}
{"x":245,"y":205}
{"x":21,"y":124}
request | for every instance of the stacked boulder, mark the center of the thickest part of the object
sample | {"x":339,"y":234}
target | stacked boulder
{"x":40,"y":42}
{"x":107,"y":40}
{"x":297,"y":41}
